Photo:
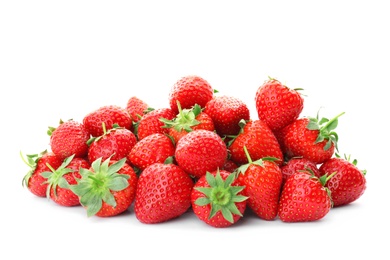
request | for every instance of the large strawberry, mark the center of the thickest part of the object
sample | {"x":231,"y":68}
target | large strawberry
{"x":107,"y":188}
{"x":109,"y":115}
{"x":311,"y":138}
{"x":163,"y":193}
{"x":60,"y":180}
{"x":217,"y":199}
{"x":298,"y":164}
{"x":201,"y":151}
{"x":262,"y":180}
{"x":69,"y":138}
{"x":155,"y":148}
{"x":258,"y":139}
{"x":227,"y":112}
{"x":37,"y":163}
{"x":348,"y":184}
{"x":115,"y":143}
{"x":151,"y":122}
{"x":190,"y":90}
{"x":136,"y":108}
{"x":304,"y":198}
{"x":278,"y":105}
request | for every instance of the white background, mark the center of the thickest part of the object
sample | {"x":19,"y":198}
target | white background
{"x":62,"y":59}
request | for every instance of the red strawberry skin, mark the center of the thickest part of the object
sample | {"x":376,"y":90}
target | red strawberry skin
{"x":116,"y":143}
{"x":190,"y":90}
{"x":136,"y":108}
{"x":69,"y":138}
{"x":303,"y":198}
{"x":278,"y":105}
{"x":260,"y":142}
{"x":151,"y":124}
{"x":109,"y":115}
{"x":201,"y":151}
{"x":163,"y":193}
{"x":155,"y":148}
{"x":227,"y":112}
{"x":299,"y":164}
{"x":347,"y":185}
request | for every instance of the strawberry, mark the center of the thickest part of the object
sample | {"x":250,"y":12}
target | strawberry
{"x":33,"y":180}
{"x":155,"y":148}
{"x":217,"y":199}
{"x":304,"y":198}
{"x":259,"y":141}
{"x":190,"y":90}
{"x":115,"y":143}
{"x":230,"y":166}
{"x":188,"y":120}
{"x":278,"y":105}
{"x":200,"y":151}
{"x":69,"y":138}
{"x":60,"y":180}
{"x":136,"y":108}
{"x":348,"y":184}
{"x":227,"y":112}
{"x":262,"y":180}
{"x":310,"y":138}
{"x":109,"y":115}
{"x":107,"y":188}
{"x":163,"y":193}
{"x":151,"y":122}
{"x":298,"y":164}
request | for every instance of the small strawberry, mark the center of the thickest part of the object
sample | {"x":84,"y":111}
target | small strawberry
{"x":259,"y":141}
{"x":188,"y":120}
{"x":163,"y":193}
{"x":109,"y":115}
{"x":151,"y":122}
{"x":262,"y":180}
{"x":155,"y":148}
{"x":190,"y":90}
{"x":115,"y":143}
{"x":201,"y":151}
{"x":278,"y":105}
{"x":348,"y":184}
{"x":60,"y":180}
{"x":227,"y":112}
{"x":106,"y":189}
{"x":230,"y":166}
{"x":69,"y":138}
{"x":310,"y":138}
{"x":304,"y":198}
{"x":299,"y":164}
{"x":33,"y":180}
{"x":217,"y":199}
{"x":136,"y":108}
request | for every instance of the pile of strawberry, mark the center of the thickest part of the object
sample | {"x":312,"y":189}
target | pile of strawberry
{"x":203,"y":153}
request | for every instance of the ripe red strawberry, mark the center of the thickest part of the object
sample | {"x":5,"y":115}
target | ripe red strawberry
{"x":106,"y":189}
{"x":304,"y":198}
{"x":348,"y":184}
{"x":109,"y":115}
{"x":262,"y":180}
{"x":189,"y":91}
{"x":115,"y":143}
{"x":69,"y":138}
{"x":155,"y":148}
{"x":33,"y":180}
{"x":136,"y":108}
{"x":310,"y":138}
{"x":217,"y":199}
{"x":151,"y":122}
{"x":278,"y":105}
{"x":60,"y":180}
{"x":299,"y":164}
{"x":227,"y":112}
{"x":163,"y":193}
{"x":258,"y":139}
{"x":200,"y":151}
{"x":188,"y":120}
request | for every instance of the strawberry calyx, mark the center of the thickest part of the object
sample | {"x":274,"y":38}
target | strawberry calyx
{"x":184,"y":120}
{"x":55,"y":177}
{"x":31,"y":160}
{"x":105,"y":132}
{"x":260,"y":162}
{"x":221,"y":196}
{"x":325,"y":128}
{"x":51,"y":129}
{"x":96,"y":185}
{"x":242,"y":124}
